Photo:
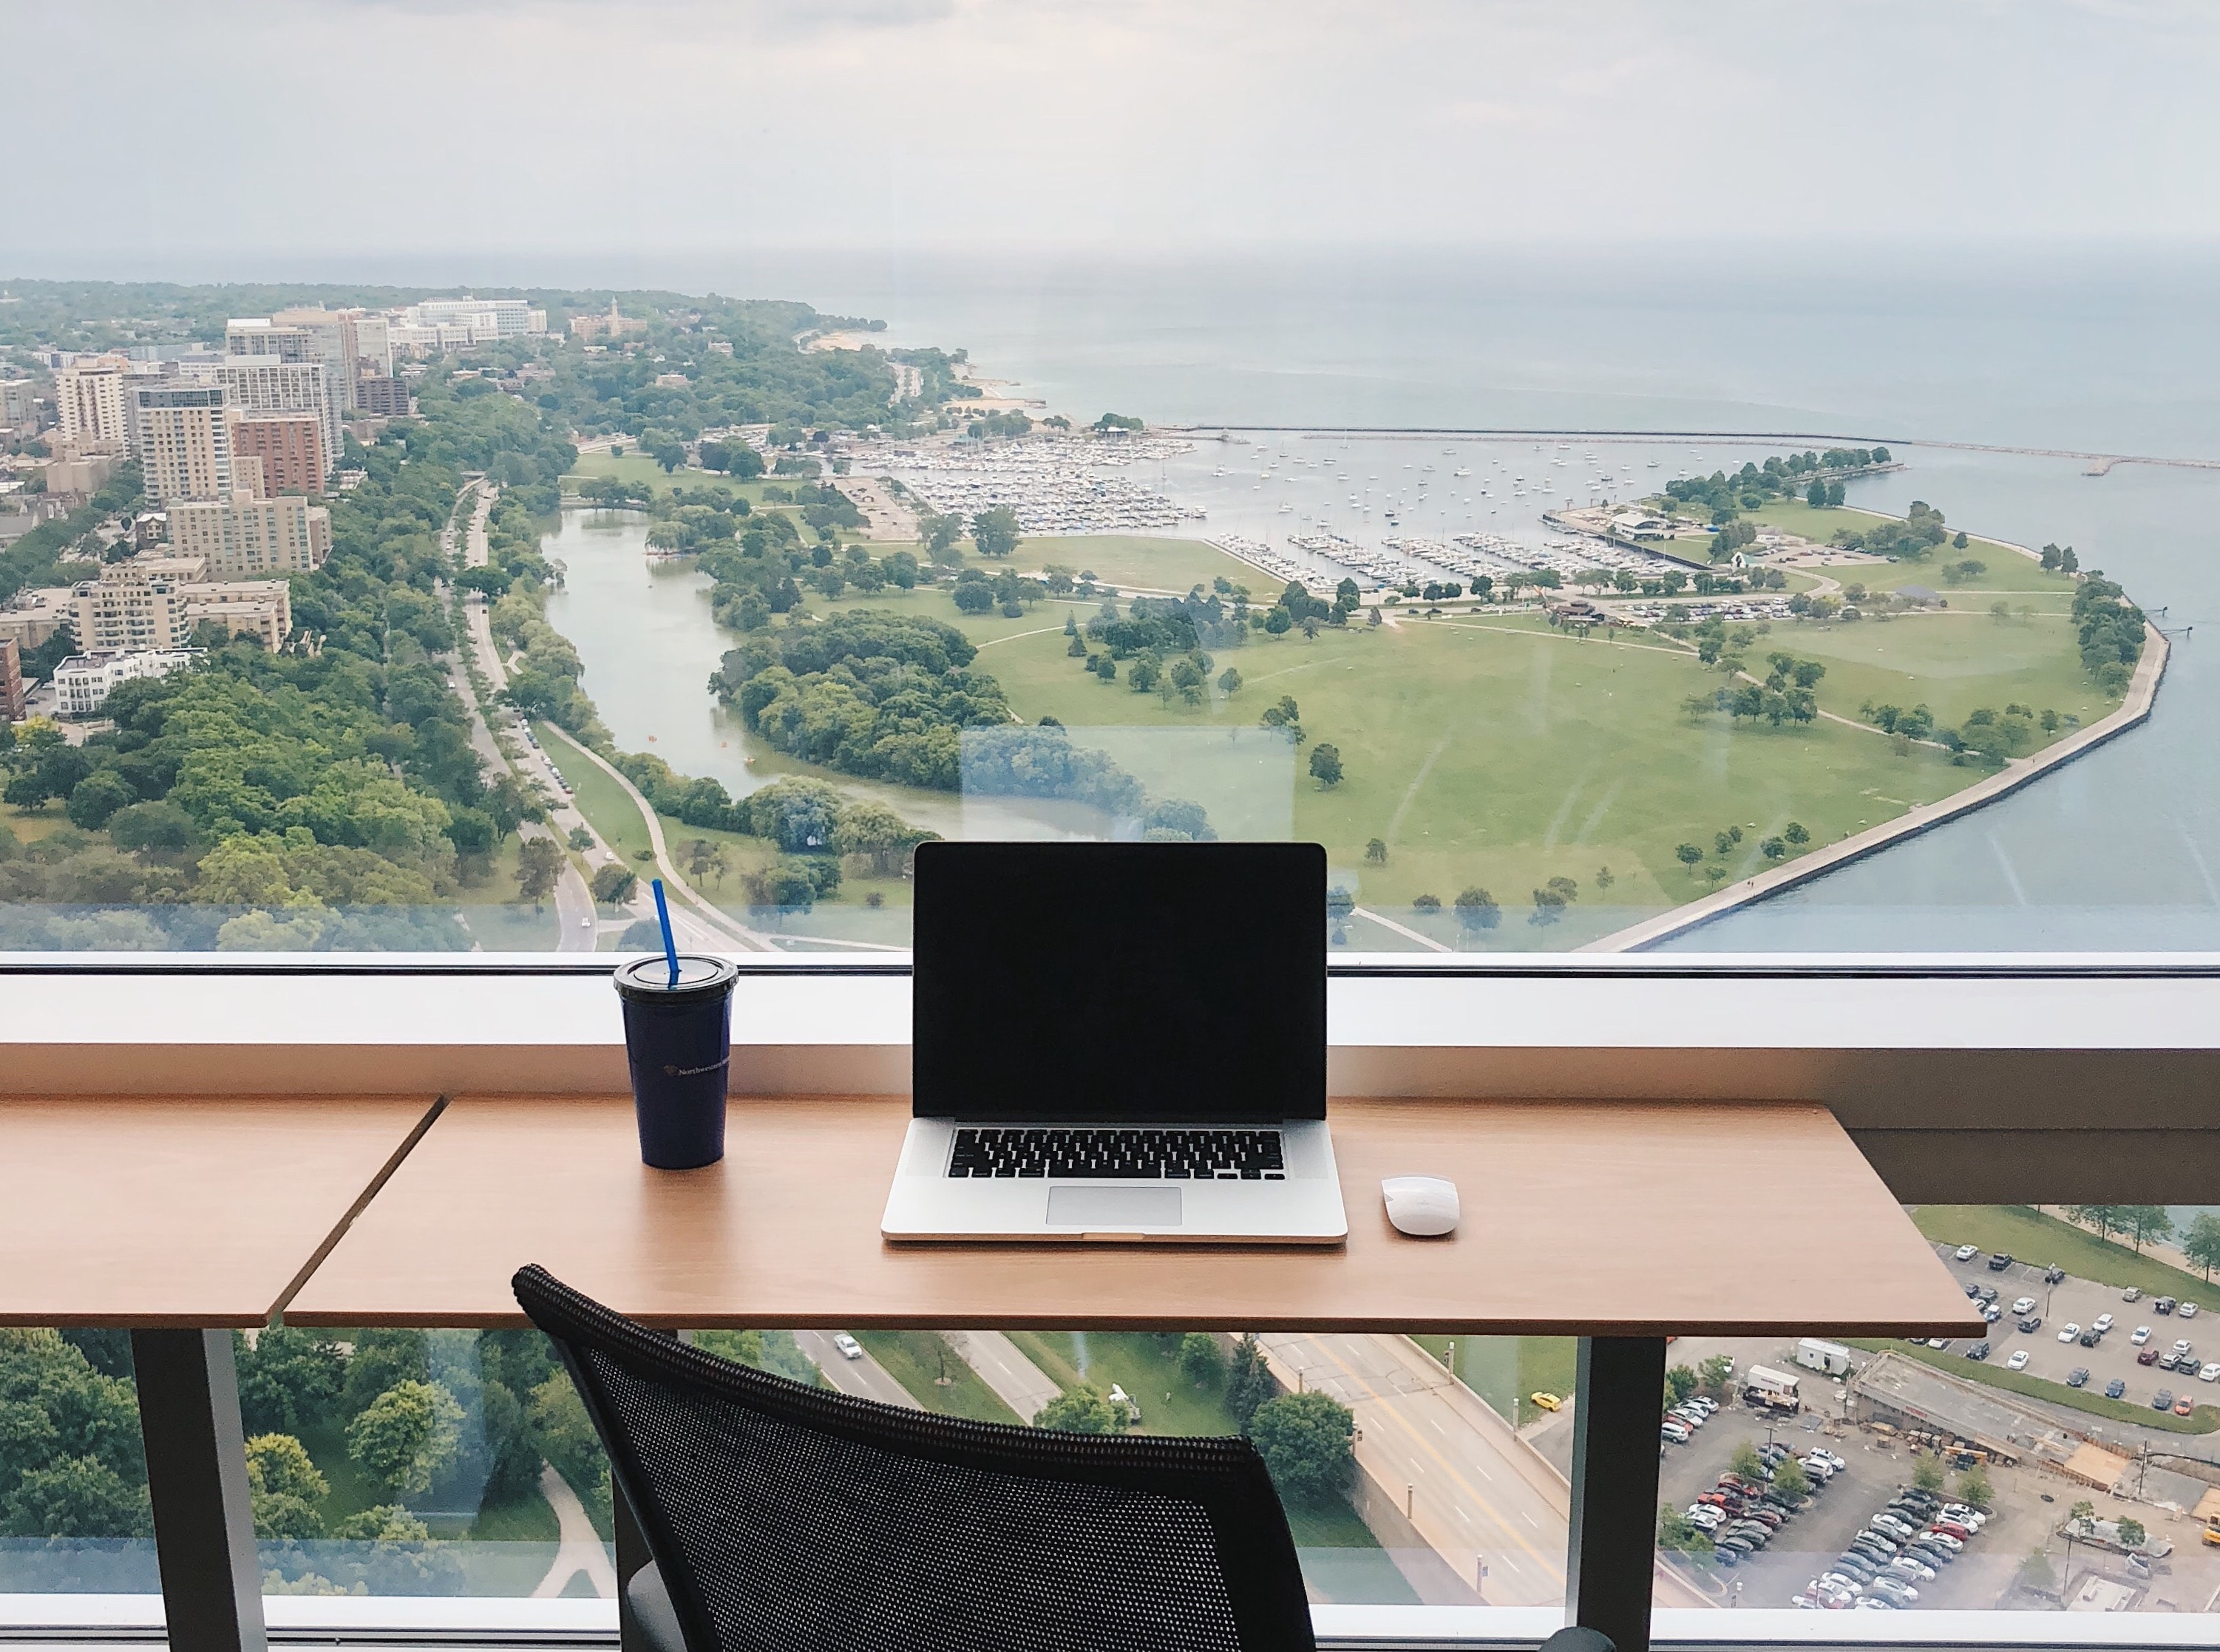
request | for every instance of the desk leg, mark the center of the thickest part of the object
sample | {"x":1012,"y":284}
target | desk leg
{"x":197,"y":1477}
{"x":1614,"y":1526}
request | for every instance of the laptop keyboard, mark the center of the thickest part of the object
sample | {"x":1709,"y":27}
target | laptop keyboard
{"x":1123,"y":1155}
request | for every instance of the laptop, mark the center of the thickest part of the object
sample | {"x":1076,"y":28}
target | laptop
{"x":1119,"y":1041}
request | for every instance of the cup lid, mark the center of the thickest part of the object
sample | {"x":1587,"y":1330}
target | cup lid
{"x":699,"y":976}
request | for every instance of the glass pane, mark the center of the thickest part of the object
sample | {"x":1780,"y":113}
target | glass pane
{"x":416,"y":1463}
{"x":2060,"y":1463}
{"x":74,"y":1511}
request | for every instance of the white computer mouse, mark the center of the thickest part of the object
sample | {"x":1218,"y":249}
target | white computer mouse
{"x":1424,"y":1206}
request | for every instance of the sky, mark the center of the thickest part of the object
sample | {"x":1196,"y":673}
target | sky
{"x":389,"y":135}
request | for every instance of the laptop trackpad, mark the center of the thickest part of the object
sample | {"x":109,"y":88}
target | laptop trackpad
{"x":1097,"y":1208}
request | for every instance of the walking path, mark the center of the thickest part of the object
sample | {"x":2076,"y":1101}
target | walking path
{"x":1017,"y":1381}
{"x":2143,"y":690}
{"x":580,"y":1548}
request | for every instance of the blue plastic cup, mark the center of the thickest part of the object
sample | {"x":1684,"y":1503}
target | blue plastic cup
{"x":678,"y":1041}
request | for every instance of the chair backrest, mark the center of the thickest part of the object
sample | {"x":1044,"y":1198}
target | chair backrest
{"x":781,"y":1517}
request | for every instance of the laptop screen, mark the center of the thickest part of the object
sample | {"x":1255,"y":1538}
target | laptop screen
{"x":1116,"y":982}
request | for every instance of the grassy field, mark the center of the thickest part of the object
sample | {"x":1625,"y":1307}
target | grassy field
{"x":1504,"y":1370}
{"x":497,"y":920}
{"x":2202,"y":1421}
{"x":916,"y":1359}
{"x":637,"y":467}
{"x":2045,"y":1241}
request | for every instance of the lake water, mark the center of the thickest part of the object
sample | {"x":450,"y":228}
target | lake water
{"x":2054,"y":348}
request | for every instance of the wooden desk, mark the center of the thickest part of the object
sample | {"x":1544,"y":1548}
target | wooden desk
{"x":1606,"y":1219}
{"x":185,"y":1212}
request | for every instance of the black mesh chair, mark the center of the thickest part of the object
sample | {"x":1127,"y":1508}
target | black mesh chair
{"x":779,"y":1518}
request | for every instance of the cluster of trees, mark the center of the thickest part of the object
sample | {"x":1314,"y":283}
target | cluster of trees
{"x":976,"y":592}
{"x":2110,"y":630}
{"x":323,"y":799}
{"x":883,"y":695}
{"x":2144,"y":1224}
{"x":1912,"y":539}
{"x":997,"y":426}
{"x":1791,"y":839}
{"x":1814,"y":475}
{"x":1307,"y":1440}
{"x":1477,"y":911}
{"x":2059,"y":559}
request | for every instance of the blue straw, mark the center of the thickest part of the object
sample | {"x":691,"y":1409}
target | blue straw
{"x":662,"y":917}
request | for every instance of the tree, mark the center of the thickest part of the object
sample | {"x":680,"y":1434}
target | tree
{"x":1201,"y":1361}
{"x":1677,"y":1534}
{"x":538,"y":863}
{"x":2201,"y":1243}
{"x":1816,"y":494}
{"x":1973,"y":1489}
{"x":1689,"y":855}
{"x":995,"y":532}
{"x":940,"y":532}
{"x":285,"y":1486}
{"x":76,"y":1497}
{"x":408,"y":1436}
{"x":1712,"y":1375}
{"x":1305,"y":1440}
{"x":1229,"y":682}
{"x":1476,"y":910}
{"x":974,"y":596}
{"x":1927,"y":1471}
{"x":2147,"y":1223}
{"x":1746,"y":1462}
{"x":94,"y":800}
{"x":581,"y":839}
{"x":1791,"y":1482}
{"x":1248,"y":1382}
{"x":1796,"y":834}
{"x":566,"y":1433}
{"x":1680,"y":1384}
{"x":1325,"y":764}
{"x":1082,"y":1411}
{"x":289,"y":1381}
{"x":613,"y":884}
{"x":1375,"y":852}
{"x":2131,"y":1532}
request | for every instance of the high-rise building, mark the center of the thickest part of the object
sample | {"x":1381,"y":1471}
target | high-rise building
{"x":373,"y":343}
{"x":11,"y":681}
{"x":19,"y":404}
{"x":241,"y":537}
{"x":384,"y":396}
{"x":92,"y":398}
{"x":182,"y":439}
{"x":337,"y":337}
{"x":254,"y":385}
{"x":290,"y":446}
{"x":259,"y":335}
{"x":84,"y":682}
{"x":506,"y":318}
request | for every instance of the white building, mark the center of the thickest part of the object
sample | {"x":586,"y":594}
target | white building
{"x":444,"y":325}
{"x":19,"y":404}
{"x":241,"y":537}
{"x":84,"y":682}
{"x":155,"y":602}
{"x":92,"y":399}
{"x":182,"y":439}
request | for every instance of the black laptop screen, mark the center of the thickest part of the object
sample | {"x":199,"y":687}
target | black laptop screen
{"x":1116,"y":982}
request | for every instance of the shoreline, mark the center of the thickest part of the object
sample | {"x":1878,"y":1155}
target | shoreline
{"x":2134,"y":710}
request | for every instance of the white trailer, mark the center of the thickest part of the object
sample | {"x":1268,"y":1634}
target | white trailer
{"x":1830,"y":1359}
{"x":1775,"y":1390}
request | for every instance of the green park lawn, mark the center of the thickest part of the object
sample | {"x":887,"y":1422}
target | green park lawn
{"x":918,"y":1360}
{"x":497,"y":920}
{"x":2033,"y":1236}
{"x":637,"y":467}
{"x":1504,"y":1370}
{"x":2204,"y":1420}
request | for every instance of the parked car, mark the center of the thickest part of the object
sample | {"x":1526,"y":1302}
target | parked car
{"x":2162,"y":1400}
{"x":2187,"y":1311}
{"x":2210,"y":1372}
{"x":2032,"y":1323}
{"x":2101,"y":1323}
{"x":1902,"y":1531}
{"x":1890,"y":1589}
{"x":2022,"y":1305}
{"x":1973,"y":1289}
{"x":2091,"y":1336}
{"x":2181,"y":1345}
{"x":2114,"y":1389}
{"x":2140,"y":1336}
{"x":2077,"y":1377}
{"x":2070,"y":1332}
{"x":1546,"y":1401}
{"x":2163,"y":1304}
{"x":1967,"y":1252}
{"x":2184,"y":1406}
{"x":2017,"y":1361}
{"x":1978,"y":1351}
{"x":2000,"y":1261}
{"x":1918,"y":1571}
{"x":2133,"y":1294}
{"x":2147,"y":1356}
{"x":2054,"y":1274}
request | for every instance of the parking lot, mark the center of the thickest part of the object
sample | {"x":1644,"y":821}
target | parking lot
{"x":2078,"y":1302}
{"x":1877,"y":1469}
